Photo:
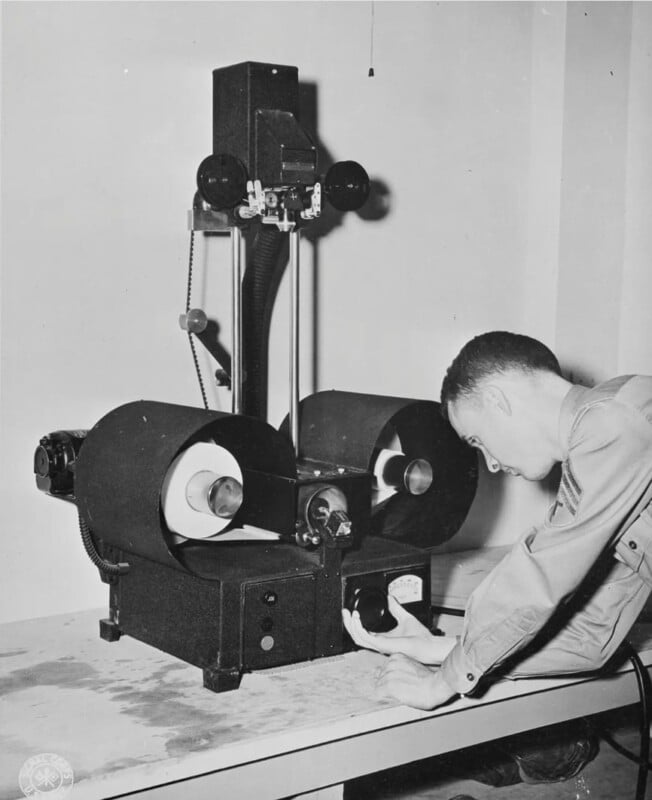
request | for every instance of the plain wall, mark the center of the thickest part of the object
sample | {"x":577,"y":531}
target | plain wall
{"x":478,"y":123}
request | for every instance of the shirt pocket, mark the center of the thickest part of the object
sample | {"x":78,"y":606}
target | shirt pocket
{"x":634,"y":548}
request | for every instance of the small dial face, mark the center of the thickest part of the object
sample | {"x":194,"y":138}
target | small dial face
{"x":406,"y":589}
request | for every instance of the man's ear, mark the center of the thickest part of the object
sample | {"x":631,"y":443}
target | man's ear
{"x":494,"y":396}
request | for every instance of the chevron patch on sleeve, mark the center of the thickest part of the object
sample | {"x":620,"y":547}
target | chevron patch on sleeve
{"x":568,"y":499}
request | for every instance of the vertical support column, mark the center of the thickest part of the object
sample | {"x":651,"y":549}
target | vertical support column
{"x":294,"y":340}
{"x":236,"y":294}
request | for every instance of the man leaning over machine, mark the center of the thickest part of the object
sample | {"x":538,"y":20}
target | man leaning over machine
{"x":566,"y":595}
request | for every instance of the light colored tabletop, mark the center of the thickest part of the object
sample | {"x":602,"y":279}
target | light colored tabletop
{"x":128,"y":717}
{"x":117,"y":710}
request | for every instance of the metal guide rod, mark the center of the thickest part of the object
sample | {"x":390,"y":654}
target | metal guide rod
{"x":236,"y":356}
{"x":294,"y":340}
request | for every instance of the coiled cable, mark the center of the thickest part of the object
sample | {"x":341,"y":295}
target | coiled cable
{"x":107,"y":567}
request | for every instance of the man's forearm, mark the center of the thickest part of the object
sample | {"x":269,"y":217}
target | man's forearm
{"x":439,"y":648}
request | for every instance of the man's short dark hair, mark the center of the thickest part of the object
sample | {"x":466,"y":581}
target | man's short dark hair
{"x":491,"y":353}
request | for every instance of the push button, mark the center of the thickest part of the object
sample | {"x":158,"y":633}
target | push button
{"x":632,"y":544}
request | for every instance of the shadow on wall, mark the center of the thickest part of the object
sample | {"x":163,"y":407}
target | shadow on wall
{"x":375,"y":209}
{"x":504,"y":507}
{"x":577,"y":373}
{"x":267,"y":258}
{"x":483,"y":515}
{"x":378,"y":204}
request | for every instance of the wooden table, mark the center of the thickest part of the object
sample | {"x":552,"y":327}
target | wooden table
{"x":129,"y":718}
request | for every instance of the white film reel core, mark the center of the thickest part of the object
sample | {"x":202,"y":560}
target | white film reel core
{"x":202,"y":491}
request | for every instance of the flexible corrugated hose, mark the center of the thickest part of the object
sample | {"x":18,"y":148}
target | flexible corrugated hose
{"x":268,"y":255}
{"x":107,"y":567}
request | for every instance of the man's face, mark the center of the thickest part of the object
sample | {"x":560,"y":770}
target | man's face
{"x":508,"y":441}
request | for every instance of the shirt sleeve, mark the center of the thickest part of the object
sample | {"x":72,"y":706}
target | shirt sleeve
{"x":607,"y":473}
{"x":593,"y":634}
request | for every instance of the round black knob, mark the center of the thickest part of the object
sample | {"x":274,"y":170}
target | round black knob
{"x":270,"y":598}
{"x":222,"y":181}
{"x":44,"y":459}
{"x":347,"y":185}
{"x":371,"y":604}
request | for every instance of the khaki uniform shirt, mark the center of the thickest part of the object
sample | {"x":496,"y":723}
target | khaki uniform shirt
{"x":602,"y":513}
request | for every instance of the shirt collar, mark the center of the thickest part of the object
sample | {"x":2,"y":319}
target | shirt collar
{"x":569,"y":408}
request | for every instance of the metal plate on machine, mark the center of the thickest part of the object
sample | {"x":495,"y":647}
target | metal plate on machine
{"x":279,"y":621}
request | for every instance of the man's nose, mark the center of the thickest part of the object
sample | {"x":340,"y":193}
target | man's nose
{"x":492,"y":464}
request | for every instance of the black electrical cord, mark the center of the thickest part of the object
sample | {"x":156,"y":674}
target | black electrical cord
{"x":191,"y":339}
{"x":645,"y":694}
{"x":643,"y":682}
{"x":107,"y":567}
{"x":620,"y":749}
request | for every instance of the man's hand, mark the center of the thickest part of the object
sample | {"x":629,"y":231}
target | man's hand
{"x":409,"y":637}
{"x":412,"y":683}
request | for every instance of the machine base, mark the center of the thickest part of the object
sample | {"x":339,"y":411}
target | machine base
{"x":257,"y":608}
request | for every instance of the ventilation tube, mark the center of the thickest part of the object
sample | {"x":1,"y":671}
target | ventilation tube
{"x":266,"y":260}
